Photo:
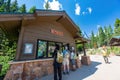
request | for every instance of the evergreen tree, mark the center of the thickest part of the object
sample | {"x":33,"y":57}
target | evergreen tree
{"x":110,"y":33}
{"x":1,"y":2}
{"x":106,"y":34}
{"x":32,"y":9}
{"x":2,"y":5}
{"x":93,"y":43}
{"x":22,"y":9}
{"x":117,"y":27}
{"x":97,"y":40}
{"x":14,"y":6}
{"x":92,"y":39}
{"x":2,"y":8}
{"x":47,"y":6}
{"x":8,"y":3}
{"x":101,"y":36}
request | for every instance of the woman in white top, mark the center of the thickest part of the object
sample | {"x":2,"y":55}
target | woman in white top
{"x":72,"y":58}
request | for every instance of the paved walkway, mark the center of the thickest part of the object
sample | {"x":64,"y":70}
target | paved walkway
{"x":98,"y":70}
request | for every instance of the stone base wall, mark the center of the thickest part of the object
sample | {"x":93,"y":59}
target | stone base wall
{"x":29,"y":70}
{"x":78,"y":63}
{"x":32,"y":70}
{"x":85,"y":60}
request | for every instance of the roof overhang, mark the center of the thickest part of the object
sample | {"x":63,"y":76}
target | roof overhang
{"x":115,"y":41}
{"x":81,"y":40}
{"x":11,"y":23}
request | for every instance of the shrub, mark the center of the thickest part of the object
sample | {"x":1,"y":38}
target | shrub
{"x":5,"y":66}
{"x":8,"y":54}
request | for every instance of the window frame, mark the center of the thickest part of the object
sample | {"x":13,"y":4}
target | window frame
{"x":47,"y":44}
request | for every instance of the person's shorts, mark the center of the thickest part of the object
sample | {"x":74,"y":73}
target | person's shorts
{"x":72,"y":61}
{"x":65,"y":61}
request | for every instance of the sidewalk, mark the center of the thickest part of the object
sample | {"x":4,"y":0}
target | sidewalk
{"x":98,"y":70}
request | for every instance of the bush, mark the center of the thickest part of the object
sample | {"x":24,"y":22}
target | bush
{"x":5,"y":66}
{"x":8,"y":54}
{"x":116,"y":50}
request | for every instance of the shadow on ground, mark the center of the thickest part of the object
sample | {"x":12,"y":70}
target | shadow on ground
{"x":79,"y":74}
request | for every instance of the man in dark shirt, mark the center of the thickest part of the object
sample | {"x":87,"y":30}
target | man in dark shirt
{"x":56,"y":65}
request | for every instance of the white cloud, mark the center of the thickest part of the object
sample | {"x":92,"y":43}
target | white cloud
{"x":84,"y":13}
{"x":54,"y":5}
{"x":89,"y":10}
{"x":45,"y":0}
{"x":78,"y":9}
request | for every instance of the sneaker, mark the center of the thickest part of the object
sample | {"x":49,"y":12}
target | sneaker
{"x":68,"y":73}
{"x":64,"y":73}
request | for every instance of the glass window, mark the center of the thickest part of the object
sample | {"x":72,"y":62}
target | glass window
{"x":42,"y":49}
{"x":51,"y":48}
{"x":45,"y":49}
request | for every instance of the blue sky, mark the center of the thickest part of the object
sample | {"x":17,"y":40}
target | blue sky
{"x":88,"y":14}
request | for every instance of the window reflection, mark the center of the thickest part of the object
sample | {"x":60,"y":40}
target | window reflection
{"x":45,"y":49}
{"x":42,"y":45}
{"x":51,"y":48}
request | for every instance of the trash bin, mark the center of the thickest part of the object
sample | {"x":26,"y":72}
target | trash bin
{"x":0,"y":67}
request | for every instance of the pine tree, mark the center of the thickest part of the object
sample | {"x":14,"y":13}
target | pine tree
{"x":117,"y":27}
{"x":8,"y":3}
{"x":92,"y":39}
{"x":101,"y":36}
{"x":32,"y":9}
{"x":1,"y":2}
{"x":108,"y":33}
{"x":47,"y":6}
{"x":14,"y":6}
{"x":22,"y":9}
{"x":2,"y":5}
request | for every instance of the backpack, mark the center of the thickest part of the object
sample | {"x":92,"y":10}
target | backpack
{"x":59,"y":57}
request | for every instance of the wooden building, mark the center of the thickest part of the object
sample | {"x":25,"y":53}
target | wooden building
{"x":115,"y":41}
{"x":36,"y":35}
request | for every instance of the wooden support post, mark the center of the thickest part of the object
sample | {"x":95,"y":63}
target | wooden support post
{"x":85,"y":59}
{"x":84,"y":49}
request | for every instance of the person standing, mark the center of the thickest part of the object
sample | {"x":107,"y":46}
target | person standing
{"x":56,"y":65}
{"x":72,"y":58}
{"x":66,"y":55}
{"x":104,"y":53}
